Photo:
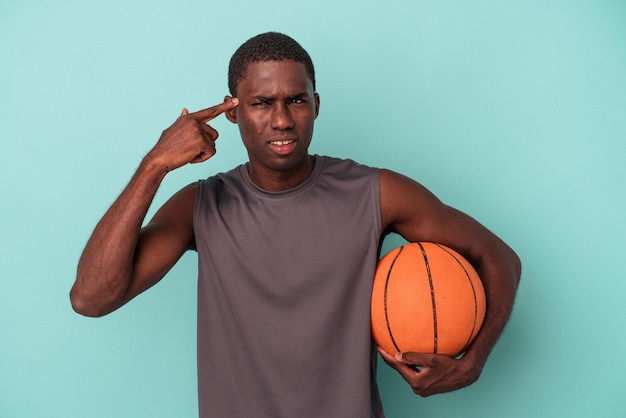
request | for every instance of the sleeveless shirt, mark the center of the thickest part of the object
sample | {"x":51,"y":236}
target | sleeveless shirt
{"x":284,"y":289}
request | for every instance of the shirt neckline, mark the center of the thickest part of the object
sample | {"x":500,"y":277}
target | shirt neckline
{"x":305,"y":185}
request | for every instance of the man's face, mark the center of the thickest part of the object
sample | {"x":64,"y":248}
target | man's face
{"x":276,"y":112}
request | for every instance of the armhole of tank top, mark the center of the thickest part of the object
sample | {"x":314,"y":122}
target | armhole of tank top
{"x":196,"y":210}
{"x":376,"y":193}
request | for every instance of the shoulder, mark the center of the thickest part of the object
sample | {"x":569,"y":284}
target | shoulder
{"x":235,"y":177}
{"x":336,"y":161}
{"x":404,"y":201}
{"x":344,"y":167}
{"x":180,"y":205}
{"x":398,"y":188}
{"x":188,"y":192}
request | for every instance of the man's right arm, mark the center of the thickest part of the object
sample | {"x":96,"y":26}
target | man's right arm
{"x":122,"y":259}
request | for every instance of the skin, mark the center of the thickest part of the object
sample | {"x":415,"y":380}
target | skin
{"x":275,"y":110}
{"x":497,"y":265}
{"x":277,"y":105}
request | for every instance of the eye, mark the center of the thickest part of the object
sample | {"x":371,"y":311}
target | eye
{"x":296,"y":100}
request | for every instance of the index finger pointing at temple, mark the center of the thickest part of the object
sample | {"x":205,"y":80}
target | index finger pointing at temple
{"x":214,"y":111}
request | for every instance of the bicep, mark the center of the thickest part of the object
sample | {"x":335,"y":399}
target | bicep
{"x":163,"y":241}
{"x":408,"y":208}
{"x":415,"y":213}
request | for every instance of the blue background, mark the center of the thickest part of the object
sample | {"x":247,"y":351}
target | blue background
{"x":512,"y":111}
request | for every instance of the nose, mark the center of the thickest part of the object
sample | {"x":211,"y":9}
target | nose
{"x":281,"y":117}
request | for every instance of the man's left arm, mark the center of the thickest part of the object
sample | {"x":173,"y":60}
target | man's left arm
{"x":410,"y":210}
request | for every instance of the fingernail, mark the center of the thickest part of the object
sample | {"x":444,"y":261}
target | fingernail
{"x":398,"y":356}
{"x":235,"y":100}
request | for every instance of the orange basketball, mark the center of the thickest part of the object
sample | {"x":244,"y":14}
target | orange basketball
{"x":427,"y":299}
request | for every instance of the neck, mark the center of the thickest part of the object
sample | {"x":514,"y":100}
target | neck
{"x":281,"y":180}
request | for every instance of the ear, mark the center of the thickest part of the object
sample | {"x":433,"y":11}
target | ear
{"x":231,"y":114}
{"x":317,"y":104}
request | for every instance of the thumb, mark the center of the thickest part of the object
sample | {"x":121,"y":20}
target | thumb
{"x":413,"y":358}
{"x":400,"y":357}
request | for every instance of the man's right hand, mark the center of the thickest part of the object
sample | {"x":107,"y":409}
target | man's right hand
{"x":189,"y":139}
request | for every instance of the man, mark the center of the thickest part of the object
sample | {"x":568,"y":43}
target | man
{"x":287,"y":245}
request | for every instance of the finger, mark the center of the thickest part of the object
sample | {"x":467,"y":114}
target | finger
{"x":412,"y":374}
{"x":385,"y":355}
{"x":207,"y":152}
{"x":202,"y":157}
{"x":395,"y":363}
{"x":414,"y":359}
{"x":184,"y":112}
{"x":210,"y":133}
{"x":214,"y":111}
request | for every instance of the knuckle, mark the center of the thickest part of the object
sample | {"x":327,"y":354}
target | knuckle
{"x":424,"y":393}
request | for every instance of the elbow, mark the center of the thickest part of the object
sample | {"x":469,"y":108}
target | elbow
{"x":516,"y":267}
{"x":510,"y":270}
{"x":85,"y":306}
{"x":505,"y":265}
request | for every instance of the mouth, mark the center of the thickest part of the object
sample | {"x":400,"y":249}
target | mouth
{"x":282,"y":146}
{"x":282,"y":142}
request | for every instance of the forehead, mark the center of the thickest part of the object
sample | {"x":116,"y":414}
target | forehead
{"x":265,"y":77}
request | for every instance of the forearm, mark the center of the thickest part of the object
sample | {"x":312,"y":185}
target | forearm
{"x":500,"y":272}
{"x":105,"y":268}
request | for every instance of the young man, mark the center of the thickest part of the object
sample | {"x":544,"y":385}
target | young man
{"x":287,"y":246}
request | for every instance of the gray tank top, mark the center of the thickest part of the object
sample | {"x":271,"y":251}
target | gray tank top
{"x":284,"y":292}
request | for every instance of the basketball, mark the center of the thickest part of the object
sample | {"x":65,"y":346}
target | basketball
{"x":426,"y":298}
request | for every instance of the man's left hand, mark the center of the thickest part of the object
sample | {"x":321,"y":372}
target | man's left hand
{"x":430,"y":374}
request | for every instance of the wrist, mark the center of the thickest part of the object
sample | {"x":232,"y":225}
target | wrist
{"x":473,"y":362}
{"x":153,"y":167}
{"x":149,"y":175}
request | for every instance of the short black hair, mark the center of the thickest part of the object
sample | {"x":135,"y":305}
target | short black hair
{"x":270,"y":46}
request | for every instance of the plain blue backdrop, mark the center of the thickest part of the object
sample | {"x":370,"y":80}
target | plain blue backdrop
{"x":512,"y":111}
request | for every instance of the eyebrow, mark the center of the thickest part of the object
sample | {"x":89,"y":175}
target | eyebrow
{"x":266,"y":99}
{"x":298,"y":96}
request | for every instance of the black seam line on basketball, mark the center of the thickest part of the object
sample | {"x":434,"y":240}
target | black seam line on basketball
{"x":469,"y":279}
{"x":385,"y":299}
{"x":432,"y":298}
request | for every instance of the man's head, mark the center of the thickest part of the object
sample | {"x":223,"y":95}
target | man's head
{"x":272,"y":77}
{"x":270,"y":46}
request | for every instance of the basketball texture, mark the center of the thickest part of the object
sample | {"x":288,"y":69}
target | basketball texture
{"x":427,"y":299}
